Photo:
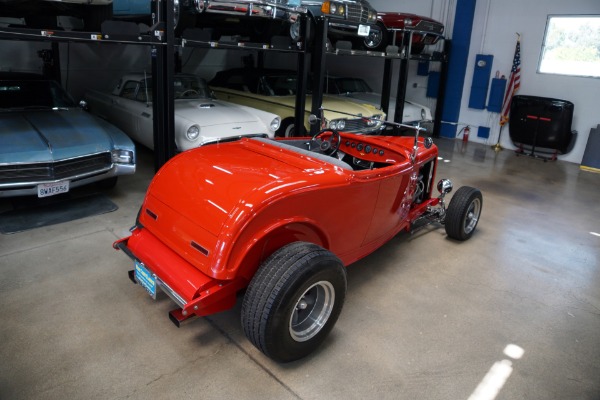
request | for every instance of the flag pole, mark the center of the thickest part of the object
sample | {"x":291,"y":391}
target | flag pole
{"x":513,"y":85}
{"x":497,"y":147}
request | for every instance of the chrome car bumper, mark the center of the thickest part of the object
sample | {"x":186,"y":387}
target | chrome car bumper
{"x":88,"y":2}
{"x":30,"y":188}
{"x":263,"y":9}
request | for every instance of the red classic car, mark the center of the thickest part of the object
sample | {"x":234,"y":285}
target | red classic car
{"x":281,"y":219}
{"x":425,"y":31}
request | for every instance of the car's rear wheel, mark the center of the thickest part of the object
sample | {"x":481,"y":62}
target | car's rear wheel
{"x":293,"y":301}
{"x":463,"y":213}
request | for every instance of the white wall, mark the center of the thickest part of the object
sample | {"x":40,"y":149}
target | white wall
{"x":496,"y":35}
{"x":494,"y":28}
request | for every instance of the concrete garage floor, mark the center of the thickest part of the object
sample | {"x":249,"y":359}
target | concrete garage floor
{"x":425,"y":317}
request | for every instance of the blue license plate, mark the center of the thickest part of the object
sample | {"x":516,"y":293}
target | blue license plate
{"x":145,"y":278}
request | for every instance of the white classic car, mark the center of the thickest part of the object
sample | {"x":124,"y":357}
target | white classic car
{"x":199,"y":117}
{"x":358,"y":89}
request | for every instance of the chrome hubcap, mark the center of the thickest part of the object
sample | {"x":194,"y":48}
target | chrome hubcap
{"x":311,"y":311}
{"x":472,"y":216}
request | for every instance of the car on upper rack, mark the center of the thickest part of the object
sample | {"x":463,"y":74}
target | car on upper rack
{"x":43,"y":13}
{"x":278,"y":220}
{"x":275,"y":90}
{"x":425,"y":31}
{"x":48,"y":145}
{"x":349,"y":20}
{"x":225,"y":17}
{"x":199,"y":117}
{"x":357,"y":88}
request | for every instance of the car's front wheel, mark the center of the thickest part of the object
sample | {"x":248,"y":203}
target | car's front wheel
{"x":377,"y":38}
{"x":293,"y":301}
{"x":463,"y":213}
{"x":287,"y":128}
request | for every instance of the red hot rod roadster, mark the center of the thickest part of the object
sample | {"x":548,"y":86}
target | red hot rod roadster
{"x":281,"y":219}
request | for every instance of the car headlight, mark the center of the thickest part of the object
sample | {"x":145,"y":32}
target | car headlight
{"x":333,"y":125}
{"x":341,"y":124}
{"x":372,"y":16}
{"x":193,"y":132}
{"x":333,"y":8}
{"x":175,"y":12}
{"x":121,"y":156}
{"x":295,"y":30}
{"x":374,"y":120}
{"x":423,"y":113}
{"x":275,"y":124}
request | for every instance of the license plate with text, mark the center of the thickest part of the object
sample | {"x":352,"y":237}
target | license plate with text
{"x":145,"y":278}
{"x":363,"y":30}
{"x":51,"y":189}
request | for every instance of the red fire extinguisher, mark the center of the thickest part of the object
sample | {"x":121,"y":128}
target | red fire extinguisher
{"x":466,"y":132}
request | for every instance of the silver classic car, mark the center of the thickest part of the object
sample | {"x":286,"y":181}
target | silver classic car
{"x":48,"y":145}
{"x":199,"y":117}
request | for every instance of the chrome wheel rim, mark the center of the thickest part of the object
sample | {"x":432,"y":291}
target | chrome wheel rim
{"x":472,"y":216}
{"x":374,"y":38}
{"x":311,"y":311}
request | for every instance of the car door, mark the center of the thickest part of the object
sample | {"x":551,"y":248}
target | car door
{"x":127,"y":110}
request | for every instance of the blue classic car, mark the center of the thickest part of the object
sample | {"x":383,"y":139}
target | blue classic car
{"x":48,"y":145}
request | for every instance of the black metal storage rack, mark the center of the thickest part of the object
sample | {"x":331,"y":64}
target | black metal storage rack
{"x":162,"y":41}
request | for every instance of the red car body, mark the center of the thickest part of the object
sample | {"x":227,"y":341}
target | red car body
{"x":213,"y":215}
{"x":425,"y":31}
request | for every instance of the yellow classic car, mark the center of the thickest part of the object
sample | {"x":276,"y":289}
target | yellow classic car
{"x":274,"y":90}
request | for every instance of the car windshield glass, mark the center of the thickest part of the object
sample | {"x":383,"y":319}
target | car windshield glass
{"x":33,"y":94}
{"x":281,"y":85}
{"x":190,"y":87}
{"x":352,"y":85}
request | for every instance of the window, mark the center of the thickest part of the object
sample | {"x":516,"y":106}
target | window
{"x":571,"y":46}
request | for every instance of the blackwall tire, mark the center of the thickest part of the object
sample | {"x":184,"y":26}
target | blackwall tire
{"x":377,"y":39}
{"x":293,"y":301}
{"x":463,"y":213}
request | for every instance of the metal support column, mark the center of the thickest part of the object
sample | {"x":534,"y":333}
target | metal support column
{"x":439,"y":109}
{"x":402,"y":78}
{"x":163,"y":105}
{"x":386,"y":89}
{"x":318,"y":69}
{"x":301,"y":84}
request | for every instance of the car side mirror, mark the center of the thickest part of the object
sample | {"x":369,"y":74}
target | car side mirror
{"x":313,"y":119}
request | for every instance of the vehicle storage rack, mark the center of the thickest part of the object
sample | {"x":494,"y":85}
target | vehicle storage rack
{"x":162,"y":41}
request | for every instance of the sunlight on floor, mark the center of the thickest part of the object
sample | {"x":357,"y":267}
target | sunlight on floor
{"x":497,"y":376}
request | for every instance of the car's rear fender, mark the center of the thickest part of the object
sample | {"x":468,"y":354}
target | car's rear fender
{"x":252,"y":249}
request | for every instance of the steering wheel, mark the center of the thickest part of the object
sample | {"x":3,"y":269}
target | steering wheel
{"x":188,"y":92}
{"x":329,"y":146}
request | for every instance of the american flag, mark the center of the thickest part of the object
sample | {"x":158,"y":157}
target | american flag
{"x":513,"y":84}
